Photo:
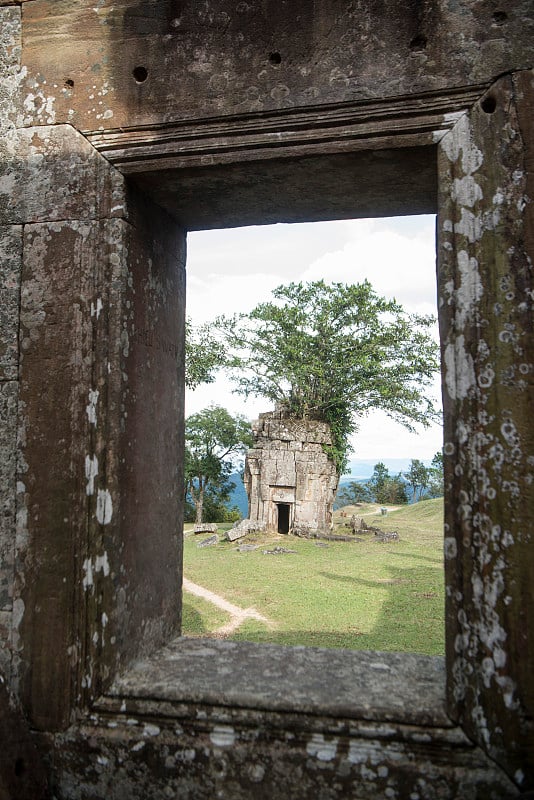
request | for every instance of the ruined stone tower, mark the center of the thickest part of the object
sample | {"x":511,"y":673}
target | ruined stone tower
{"x":290,"y":481}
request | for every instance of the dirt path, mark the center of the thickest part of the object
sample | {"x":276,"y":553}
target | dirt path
{"x":358,"y":513}
{"x":238,"y":615}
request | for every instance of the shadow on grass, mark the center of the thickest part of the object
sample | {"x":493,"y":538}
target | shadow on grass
{"x":396,"y":553}
{"x":399,"y":575}
{"x":411,"y":617}
{"x":192,"y":621}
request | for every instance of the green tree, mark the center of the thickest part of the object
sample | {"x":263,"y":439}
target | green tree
{"x":418,"y":477}
{"x":387,"y":489}
{"x":204,"y":355}
{"x":216,"y":504}
{"x":214,"y":440}
{"x":378,"y":481}
{"x":333,"y":352}
{"x":436,"y":487}
{"x":351,"y":493}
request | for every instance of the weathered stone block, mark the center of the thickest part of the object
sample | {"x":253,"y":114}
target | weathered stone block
{"x":211,"y":540}
{"x":341,"y":54}
{"x":66,"y":168}
{"x":206,"y":527}
{"x":281,"y":476}
{"x":103,"y":301}
{"x":283,"y":458}
{"x":381,"y":739}
{"x":243,"y":528}
{"x":486,"y":227}
{"x":8,"y":461}
{"x":10,"y":72}
{"x":10,"y":269}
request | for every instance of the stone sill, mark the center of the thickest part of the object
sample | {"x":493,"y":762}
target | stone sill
{"x":343,"y":684}
{"x":205,"y":718}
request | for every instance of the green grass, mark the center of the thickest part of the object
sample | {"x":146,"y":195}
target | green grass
{"x":364,"y":595}
{"x":200,"y":618}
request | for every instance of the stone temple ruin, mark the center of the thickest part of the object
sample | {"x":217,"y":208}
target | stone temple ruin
{"x":124,"y":124}
{"x":290,"y":481}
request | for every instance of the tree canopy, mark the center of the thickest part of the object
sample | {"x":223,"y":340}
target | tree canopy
{"x":385,"y":488}
{"x":418,"y":477}
{"x":213,"y":439}
{"x":380,"y":488}
{"x":203,"y":354}
{"x":333,"y":352}
{"x":350,"y":494}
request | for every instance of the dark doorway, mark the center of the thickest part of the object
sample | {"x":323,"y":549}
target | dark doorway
{"x":283,"y":517}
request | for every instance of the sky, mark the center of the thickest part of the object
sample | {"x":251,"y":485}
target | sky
{"x":234,"y":269}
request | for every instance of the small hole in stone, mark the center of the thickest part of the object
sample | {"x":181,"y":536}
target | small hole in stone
{"x":489,"y":104}
{"x":140,"y":74}
{"x":418,"y":43}
{"x":69,"y":83}
{"x":20,"y":767}
{"x":500,"y":17}
{"x":275,"y":58}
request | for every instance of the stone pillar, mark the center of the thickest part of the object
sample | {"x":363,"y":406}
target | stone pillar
{"x":97,"y":563}
{"x":10,"y":269}
{"x":486,"y":291}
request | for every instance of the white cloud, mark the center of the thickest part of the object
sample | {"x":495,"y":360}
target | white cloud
{"x":220,"y":393}
{"x":397,"y":264}
{"x":219,"y":293}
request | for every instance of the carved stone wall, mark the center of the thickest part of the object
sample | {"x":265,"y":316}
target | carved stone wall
{"x":91,"y":317}
{"x":123,"y":123}
{"x":288,"y":476}
{"x":486,"y":289}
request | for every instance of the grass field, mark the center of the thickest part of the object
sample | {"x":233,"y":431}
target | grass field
{"x":363,"y":595}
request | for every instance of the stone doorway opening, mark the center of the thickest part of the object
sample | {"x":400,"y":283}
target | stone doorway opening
{"x":284,"y":515}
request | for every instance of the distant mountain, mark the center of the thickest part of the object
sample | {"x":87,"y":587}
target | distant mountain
{"x":239,"y":496}
{"x":361,"y":471}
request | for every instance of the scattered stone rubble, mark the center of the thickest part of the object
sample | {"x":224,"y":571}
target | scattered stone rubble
{"x":205,"y":527}
{"x":209,"y":541}
{"x":244,"y":527}
{"x":358,"y":523}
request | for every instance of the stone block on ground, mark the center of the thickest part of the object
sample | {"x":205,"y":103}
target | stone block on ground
{"x":244,"y":527}
{"x":383,"y":536}
{"x":205,"y":527}
{"x":209,"y":541}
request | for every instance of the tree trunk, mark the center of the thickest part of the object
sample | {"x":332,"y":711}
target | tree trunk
{"x":199,"y":505}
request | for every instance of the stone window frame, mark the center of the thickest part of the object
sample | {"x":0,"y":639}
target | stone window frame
{"x":371,"y":128}
{"x":396,"y":126}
